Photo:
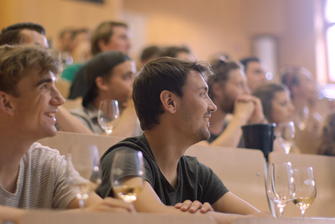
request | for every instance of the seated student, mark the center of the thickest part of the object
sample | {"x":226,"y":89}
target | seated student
{"x":327,"y":139}
{"x":254,"y":72}
{"x":277,"y":105}
{"x":109,"y":75}
{"x":229,"y":91}
{"x":304,"y":97}
{"x":32,"y":176}
{"x":173,"y":107}
{"x":31,"y":33}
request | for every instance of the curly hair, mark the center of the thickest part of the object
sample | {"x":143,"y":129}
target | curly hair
{"x":327,"y":139}
{"x":17,"y":59}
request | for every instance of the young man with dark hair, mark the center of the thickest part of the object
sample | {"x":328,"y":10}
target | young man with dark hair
{"x":109,"y":75}
{"x":24,"y":33}
{"x":173,"y":107}
{"x":108,"y":36}
{"x":33,"y":176}
{"x":229,"y":91}
{"x":254,"y":72}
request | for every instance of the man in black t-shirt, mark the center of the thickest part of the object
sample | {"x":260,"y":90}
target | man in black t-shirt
{"x":172,"y":104}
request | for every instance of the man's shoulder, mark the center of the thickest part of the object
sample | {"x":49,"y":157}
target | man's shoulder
{"x":136,"y":143}
{"x":41,"y":155}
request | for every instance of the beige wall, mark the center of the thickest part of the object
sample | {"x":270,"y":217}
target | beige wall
{"x":229,"y":26}
{"x":56,"y":15}
{"x":207,"y":27}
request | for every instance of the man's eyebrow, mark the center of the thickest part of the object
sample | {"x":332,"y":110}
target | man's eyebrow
{"x":44,"y":80}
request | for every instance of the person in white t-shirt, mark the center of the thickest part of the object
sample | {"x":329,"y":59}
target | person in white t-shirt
{"x":32,"y":176}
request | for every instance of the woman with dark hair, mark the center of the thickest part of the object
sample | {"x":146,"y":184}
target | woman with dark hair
{"x":277,"y":105}
{"x":327,"y":140}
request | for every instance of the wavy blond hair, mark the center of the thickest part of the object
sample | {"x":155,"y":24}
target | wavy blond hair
{"x":16,"y":60}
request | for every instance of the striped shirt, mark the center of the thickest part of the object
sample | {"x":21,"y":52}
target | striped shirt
{"x":41,"y":182}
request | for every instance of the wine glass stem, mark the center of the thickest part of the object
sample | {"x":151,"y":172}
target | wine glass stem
{"x":81,"y":204}
{"x":303,"y":213}
{"x":281,"y":212}
{"x":108,"y":133}
{"x":287,"y":149}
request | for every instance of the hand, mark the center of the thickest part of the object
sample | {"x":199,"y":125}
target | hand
{"x":194,"y":206}
{"x":243,"y":108}
{"x":112,"y":205}
{"x":257,"y":116}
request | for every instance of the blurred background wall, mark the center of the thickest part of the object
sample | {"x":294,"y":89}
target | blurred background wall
{"x":233,"y":27}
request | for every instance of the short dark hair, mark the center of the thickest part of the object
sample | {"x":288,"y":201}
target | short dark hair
{"x":77,"y":32}
{"x":103,"y":32}
{"x":266,"y":94}
{"x":12,"y":34}
{"x":245,"y":61}
{"x":150,"y":52}
{"x":221,"y":69}
{"x":163,"y":73}
{"x":174,"y":51}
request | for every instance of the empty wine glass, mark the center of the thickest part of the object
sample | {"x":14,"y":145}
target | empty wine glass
{"x":301,"y":119}
{"x":286,"y":135}
{"x":108,"y":115}
{"x":305,"y":188}
{"x":83,"y":172}
{"x":127,"y":174}
{"x":279,"y":184}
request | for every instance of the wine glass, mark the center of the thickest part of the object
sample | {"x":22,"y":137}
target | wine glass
{"x":301,"y":119}
{"x":83,"y":172}
{"x":305,"y":188}
{"x":127,"y":174}
{"x":108,"y":115}
{"x":286,"y":135}
{"x":279,"y":184}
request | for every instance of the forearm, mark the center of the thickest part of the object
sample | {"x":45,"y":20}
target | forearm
{"x":11,"y":214}
{"x":127,"y":124}
{"x":69,"y":123}
{"x":231,"y":136}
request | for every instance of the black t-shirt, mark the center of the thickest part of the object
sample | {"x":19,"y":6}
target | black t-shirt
{"x":195,"y":180}
{"x":79,"y":85}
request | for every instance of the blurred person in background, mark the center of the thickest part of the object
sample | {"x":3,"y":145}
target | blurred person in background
{"x":80,"y":53}
{"x":148,"y":54}
{"x":254,"y":72}
{"x":24,"y":33}
{"x":304,"y":96}
{"x":178,"y":52}
{"x":230,"y":93}
{"x":277,"y":105}
{"x":109,"y":75}
{"x":327,"y":138}
{"x":108,"y":36}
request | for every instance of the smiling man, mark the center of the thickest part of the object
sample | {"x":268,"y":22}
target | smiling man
{"x":32,"y":176}
{"x":172,"y":104}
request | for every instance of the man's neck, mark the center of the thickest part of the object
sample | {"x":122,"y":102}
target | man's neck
{"x":217,"y":122}
{"x":167,"y":148}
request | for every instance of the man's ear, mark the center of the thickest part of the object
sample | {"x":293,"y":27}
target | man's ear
{"x":168,"y":101}
{"x":5,"y":103}
{"x":102,"y":45}
{"x":101,"y":83}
